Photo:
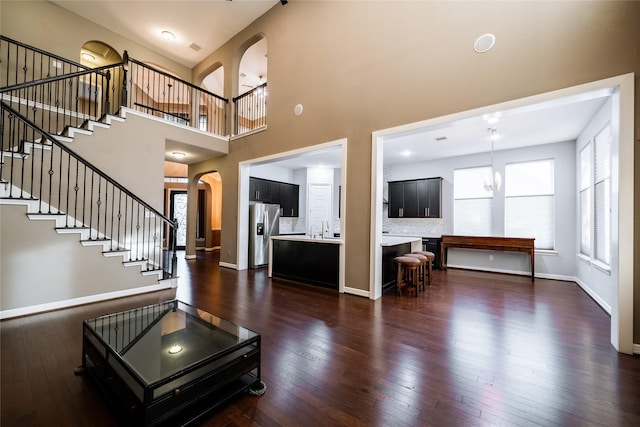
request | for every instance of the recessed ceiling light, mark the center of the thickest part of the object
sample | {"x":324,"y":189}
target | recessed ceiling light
{"x":492,"y":118}
{"x":178,"y":155}
{"x":405,"y":153}
{"x":484,"y":43}
{"x":168,"y":35}
{"x":88,"y":57}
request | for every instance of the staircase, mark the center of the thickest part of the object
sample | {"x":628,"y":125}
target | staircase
{"x":39,"y":118}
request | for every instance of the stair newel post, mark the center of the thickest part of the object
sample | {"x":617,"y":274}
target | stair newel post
{"x":107,"y":102}
{"x":174,"y":256}
{"x":125,"y":68}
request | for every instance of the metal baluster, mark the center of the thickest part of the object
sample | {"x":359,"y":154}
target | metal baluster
{"x":98,"y":204}
{"x":84,"y":197}
{"x":119,"y":215}
{"x":113,"y":199}
{"x":59,"y":179}
{"x":51,"y":172}
{"x":75,"y":188}
{"x":106,"y":203}
{"x":91,"y":209}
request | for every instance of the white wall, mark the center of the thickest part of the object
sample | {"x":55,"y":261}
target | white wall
{"x":272,"y":172}
{"x":598,"y":283}
{"x":559,"y":264}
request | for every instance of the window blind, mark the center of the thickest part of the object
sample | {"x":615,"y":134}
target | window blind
{"x":529,"y":201}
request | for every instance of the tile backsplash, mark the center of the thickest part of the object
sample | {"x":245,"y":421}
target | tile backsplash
{"x":420,"y":227}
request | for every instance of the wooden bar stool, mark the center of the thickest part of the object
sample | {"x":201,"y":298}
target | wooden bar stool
{"x":407,"y":273}
{"x":422,"y":268}
{"x":430,"y":259}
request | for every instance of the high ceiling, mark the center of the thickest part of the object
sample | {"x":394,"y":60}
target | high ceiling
{"x":217,"y":21}
{"x":207,"y":24}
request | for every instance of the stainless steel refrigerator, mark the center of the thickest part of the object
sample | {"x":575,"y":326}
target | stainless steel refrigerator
{"x":264,"y":222}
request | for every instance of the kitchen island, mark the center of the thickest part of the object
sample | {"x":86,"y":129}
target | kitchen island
{"x":306,"y":260}
{"x":393,"y":246}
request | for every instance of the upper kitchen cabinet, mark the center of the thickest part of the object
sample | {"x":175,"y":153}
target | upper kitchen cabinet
{"x":278,"y":193}
{"x":416,"y":198}
{"x":429,"y":197}
{"x":289,"y":199}
{"x":403,"y":199}
{"x":260,"y":190}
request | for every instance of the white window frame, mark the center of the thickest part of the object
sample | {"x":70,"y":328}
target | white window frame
{"x":585,"y":178}
{"x":529,"y":211}
{"x":601,"y":252}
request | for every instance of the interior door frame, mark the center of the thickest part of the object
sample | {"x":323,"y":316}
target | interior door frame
{"x":172,"y":193}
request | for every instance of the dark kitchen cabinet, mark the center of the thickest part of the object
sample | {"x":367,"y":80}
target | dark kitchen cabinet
{"x":432,"y":244}
{"x":416,"y":198}
{"x":260,"y":190}
{"x":289,"y":199}
{"x":279,"y":193}
{"x":429,"y":191}
{"x":403,"y":199}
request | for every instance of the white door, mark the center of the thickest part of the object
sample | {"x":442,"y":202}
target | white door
{"x":319,"y":209}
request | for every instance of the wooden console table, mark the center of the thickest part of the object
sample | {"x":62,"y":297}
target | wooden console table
{"x":491,"y":243}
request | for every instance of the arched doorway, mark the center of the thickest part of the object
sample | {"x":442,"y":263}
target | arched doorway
{"x":95,"y":53}
{"x":250,"y":106}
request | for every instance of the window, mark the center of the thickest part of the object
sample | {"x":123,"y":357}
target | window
{"x":602,"y":195}
{"x":472,"y":204}
{"x":180,"y":118}
{"x":584,"y":187}
{"x":202,"y":123}
{"x":529,"y":201}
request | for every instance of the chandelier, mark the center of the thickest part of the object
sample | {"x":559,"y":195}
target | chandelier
{"x":494,"y":181}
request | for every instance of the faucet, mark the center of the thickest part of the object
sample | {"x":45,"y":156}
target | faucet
{"x":325,"y":230}
{"x":313,"y":235}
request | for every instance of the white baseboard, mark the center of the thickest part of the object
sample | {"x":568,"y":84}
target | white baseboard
{"x":606,"y":307}
{"x":636,"y":349}
{"x":358,"y":292}
{"x":34,"y":309}
{"x":228,"y":265}
{"x":190,"y":257}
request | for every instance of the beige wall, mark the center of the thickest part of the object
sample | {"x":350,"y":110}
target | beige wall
{"x":357,"y":67}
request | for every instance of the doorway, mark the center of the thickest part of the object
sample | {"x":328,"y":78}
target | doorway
{"x":178,"y":212}
{"x":621,"y":89}
{"x":319,"y":208}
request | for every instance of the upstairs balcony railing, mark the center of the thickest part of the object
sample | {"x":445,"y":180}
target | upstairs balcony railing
{"x":250,"y":110}
{"x":68,"y":94}
{"x":162,"y":95}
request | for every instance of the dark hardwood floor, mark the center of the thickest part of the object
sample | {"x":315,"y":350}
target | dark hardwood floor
{"x":475,"y":349}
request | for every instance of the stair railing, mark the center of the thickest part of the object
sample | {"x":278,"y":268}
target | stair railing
{"x":250,"y":110}
{"x":36,"y":166}
{"x":158,"y":93}
{"x":23,"y":63}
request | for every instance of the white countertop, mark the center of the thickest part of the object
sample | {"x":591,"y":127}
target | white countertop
{"x":334,"y":240}
{"x":398,"y":240}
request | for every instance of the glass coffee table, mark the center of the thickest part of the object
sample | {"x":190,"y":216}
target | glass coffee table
{"x":169,"y":363}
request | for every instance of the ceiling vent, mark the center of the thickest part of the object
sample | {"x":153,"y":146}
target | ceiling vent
{"x":441,"y":138}
{"x":195,"y":47}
